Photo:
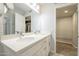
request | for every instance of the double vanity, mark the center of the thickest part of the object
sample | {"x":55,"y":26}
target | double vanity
{"x":29,"y":44}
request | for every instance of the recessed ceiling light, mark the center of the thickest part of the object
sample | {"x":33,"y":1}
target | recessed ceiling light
{"x":66,"y":11}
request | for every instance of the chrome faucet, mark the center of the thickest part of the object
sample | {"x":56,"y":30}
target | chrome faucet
{"x":19,"y":33}
{"x":38,"y":31}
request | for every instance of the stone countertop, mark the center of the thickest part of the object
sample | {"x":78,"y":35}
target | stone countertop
{"x":18,"y":43}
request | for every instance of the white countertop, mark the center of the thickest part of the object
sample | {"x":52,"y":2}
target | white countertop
{"x":19,"y":43}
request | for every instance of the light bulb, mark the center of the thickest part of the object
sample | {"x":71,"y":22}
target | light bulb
{"x":5,"y":9}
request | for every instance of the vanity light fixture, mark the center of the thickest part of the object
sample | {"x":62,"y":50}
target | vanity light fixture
{"x":5,"y":9}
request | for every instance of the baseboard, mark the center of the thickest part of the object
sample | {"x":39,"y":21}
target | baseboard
{"x":62,"y":38}
{"x":64,"y":42}
{"x":52,"y":51}
{"x":68,"y":43}
{"x":74,"y":46}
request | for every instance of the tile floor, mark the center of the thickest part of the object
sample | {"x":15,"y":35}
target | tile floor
{"x":66,"y":49}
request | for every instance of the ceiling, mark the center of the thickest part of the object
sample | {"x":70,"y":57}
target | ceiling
{"x":21,"y":8}
{"x":70,"y":8}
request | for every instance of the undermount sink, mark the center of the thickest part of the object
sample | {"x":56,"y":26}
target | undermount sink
{"x":21,"y":39}
{"x":25,"y":39}
{"x":20,"y":42}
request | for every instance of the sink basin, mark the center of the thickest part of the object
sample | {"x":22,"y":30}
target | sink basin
{"x":25,"y":39}
{"x":17,"y":44}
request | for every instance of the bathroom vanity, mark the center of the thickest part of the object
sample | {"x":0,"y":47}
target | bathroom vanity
{"x":27,"y":45}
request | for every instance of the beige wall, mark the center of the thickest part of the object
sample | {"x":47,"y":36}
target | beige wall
{"x":75,"y":29}
{"x":64,"y":27}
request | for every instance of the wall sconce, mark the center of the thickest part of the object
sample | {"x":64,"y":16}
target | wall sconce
{"x":5,"y":9}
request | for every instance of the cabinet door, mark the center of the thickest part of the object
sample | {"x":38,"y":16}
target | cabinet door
{"x":31,"y":51}
{"x":39,"y":53}
{"x":39,"y":49}
{"x":44,"y":50}
{"x":46,"y":43}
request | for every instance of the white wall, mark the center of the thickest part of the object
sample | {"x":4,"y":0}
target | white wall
{"x":10,"y":5}
{"x":45,"y":22}
{"x":19,"y":23}
{"x":35,"y":21}
{"x":75,"y":29}
{"x":64,"y":28}
{"x":48,"y":23}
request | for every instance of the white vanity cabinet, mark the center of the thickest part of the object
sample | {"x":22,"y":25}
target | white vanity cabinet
{"x":44,"y":50}
{"x":38,"y":48}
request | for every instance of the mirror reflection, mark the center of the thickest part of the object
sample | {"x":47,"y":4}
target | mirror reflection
{"x":9,"y":20}
{"x":16,"y":18}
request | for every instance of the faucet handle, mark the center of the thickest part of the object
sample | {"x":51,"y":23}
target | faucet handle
{"x":17,"y":32}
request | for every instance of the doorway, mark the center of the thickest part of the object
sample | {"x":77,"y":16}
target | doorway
{"x":28,"y":24}
{"x":67,"y":30}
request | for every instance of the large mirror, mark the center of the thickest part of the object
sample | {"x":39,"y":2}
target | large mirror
{"x":16,"y":18}
{"x":22,"y":18}
{"x":8,"y":20}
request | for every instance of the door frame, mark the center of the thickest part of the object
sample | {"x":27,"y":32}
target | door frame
{"x":78,"y":31}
